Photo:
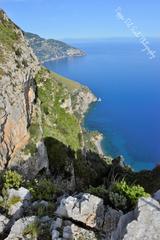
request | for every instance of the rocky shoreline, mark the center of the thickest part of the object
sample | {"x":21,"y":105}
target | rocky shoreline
{"x":97,"y":140}
{"x":63,"y":57}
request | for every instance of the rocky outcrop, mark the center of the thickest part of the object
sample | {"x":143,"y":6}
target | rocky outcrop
{"x":146,"y":223}
{"x":65,"y":229}
{"x":18,"y":229}
{"x":17,"y":90}
{"x":84,"y":208}
{"x":82,"y":98}
{"x":141,"y":223}
{"x":4,"y":221}
{"x":49,"y":50}
{"x":91,"y":212}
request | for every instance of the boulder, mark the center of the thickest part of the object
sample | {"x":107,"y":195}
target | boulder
{"x":81,"y":233}
{"x":22,"y":192}
{"x":110,"y":222}
{"x":19,"y":226}
{"x":4,"y":221}
{"x":84,"y":208}
{"x":146,"y":224}
{"x":16,"y":210}
{"x":156,"y":196}
{"x":63,"y":229}
{"x":122,"y":224}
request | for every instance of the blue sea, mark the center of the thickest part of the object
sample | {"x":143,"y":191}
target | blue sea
{"x":128,"y":82}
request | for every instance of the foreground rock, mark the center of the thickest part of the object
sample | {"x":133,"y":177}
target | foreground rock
{"x":67,"y":230}
{"x":142,"y":223}
{"x":84,"y":208}
{"x":146,"y":225}
{"x":18,"y":228}
{"x":16,"y":210}
{"x":4,"y":222}
{"x":91,"y":212}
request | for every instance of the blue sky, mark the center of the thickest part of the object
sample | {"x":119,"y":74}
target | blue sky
{"x":62,"y":19}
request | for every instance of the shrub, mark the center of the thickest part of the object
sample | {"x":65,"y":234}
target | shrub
{"x":42,"y":210}
{"x":99,"y":192}
{"x":32,"y":229}
{"x":44,"y":189}
{"x":131,"y":193}
{"x":12,"y":179}
{"x":12,"y":201}
{"x":119,"y":201}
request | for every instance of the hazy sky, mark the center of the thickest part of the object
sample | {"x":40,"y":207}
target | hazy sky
{"x":84,"y":18}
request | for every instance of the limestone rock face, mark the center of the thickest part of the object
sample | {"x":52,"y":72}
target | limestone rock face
{"x":30,"y":165}
{"x":82,"y":99}
{"x":4,"y":221}
{"x":156,"y":196}
{"x":22,"y":192}
{"x":90,"y":211}
{"x":16,"y":210}
{"x":84,"y":208}
{"x":17,"y":91}
{"x":67,"y":230}
{"x":18,"y":228}
{"x":146,"y":222}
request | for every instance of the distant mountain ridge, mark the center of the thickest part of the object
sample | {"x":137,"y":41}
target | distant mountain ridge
{"x":51,"y":49}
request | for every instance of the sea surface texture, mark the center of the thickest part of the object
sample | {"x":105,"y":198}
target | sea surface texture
{"x":128,"y":83}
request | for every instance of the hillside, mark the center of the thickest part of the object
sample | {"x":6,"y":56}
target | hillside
{"x":51,"y":49}
{"x":53,"y":183}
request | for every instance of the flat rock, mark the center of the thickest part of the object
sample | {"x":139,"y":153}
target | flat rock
{"x":19,"y":227}
{"x":146,"y":225}
{"x":84,"y":208}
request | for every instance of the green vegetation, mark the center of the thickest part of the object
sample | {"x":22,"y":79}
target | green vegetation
{"x":99,"y":191}
{"x":8,"y":35}
{"x":56,"y":121}
{"x":43,"y":189}
{"x":122,"y":194}
{"x":41,"y":210}
{"x":12,"y":201}
{"x":33,"y":229}
{"x":35,"y":136}
{"x":12,"y":179}
{"x":70,"y":84}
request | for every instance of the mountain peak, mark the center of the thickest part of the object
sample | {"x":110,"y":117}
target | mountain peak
{"x":3,"y":15}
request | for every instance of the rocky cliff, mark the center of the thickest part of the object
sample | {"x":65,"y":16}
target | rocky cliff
{"x":51,"y":49}
{"x":35,"y":105}
{"x":53,"y":183}
{"x":18,"y":66}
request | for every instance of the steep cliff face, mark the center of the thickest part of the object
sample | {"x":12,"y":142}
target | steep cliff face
{"x":37,"y":107}
{"x":18,"y":66}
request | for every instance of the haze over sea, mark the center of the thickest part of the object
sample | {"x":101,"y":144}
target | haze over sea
{"x":128,"y":83}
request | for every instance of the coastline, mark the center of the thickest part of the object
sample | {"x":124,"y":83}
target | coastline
{"x":62,"y":57}
{"x":97,"y":140}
